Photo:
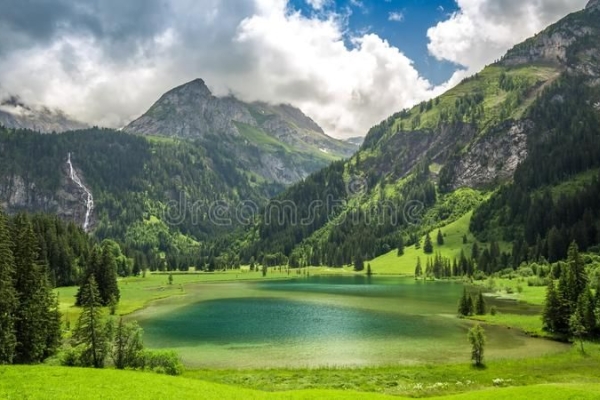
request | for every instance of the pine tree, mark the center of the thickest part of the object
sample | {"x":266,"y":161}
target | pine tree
{"x":428,"y":245}
{"x":102,"y":266}
{"x":440,"y":238}
{"x":107,"y":277}
{"x":555,"y":315}
{"x":480,"y":306}
{"x":400,"y":246}
{"x":8,"y":295}
{"x":33,"y":294}
{"x":465,"y":304}
{"x":418,"y":269}
{"x":369,"y":271}
{"x":586,"y":308}
{"x":465,"y":239}
{"x":53,"y":326}
{"x":91,"y":331}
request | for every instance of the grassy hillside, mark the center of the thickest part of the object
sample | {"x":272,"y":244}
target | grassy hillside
{"x":453,"y":233}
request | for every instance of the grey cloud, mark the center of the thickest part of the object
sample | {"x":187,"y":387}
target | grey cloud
{"x":119,"y":25}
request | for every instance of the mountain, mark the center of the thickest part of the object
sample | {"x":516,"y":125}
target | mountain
{"x":517,"y":146}
{"x":161,"y":197}
{"x":14,"y":113}
{"x":275,"y":143}
{"x":356,"y":141}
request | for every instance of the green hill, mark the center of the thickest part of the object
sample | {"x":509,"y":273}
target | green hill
{"x":495,"y":146}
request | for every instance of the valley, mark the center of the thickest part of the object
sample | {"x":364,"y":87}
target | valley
{"x":222,"y":245}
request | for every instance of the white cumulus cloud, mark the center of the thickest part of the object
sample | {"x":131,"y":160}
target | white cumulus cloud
{"x":483,"y":30}
{"x":396,"y":16}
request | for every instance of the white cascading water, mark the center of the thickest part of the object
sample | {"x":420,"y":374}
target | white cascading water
{"x":89,"y":201}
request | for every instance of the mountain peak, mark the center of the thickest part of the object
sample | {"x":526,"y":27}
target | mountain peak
{"x":197,"y":86}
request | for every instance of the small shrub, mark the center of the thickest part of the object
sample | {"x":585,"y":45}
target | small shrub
{"x":519,"y":289}
{"x":479,"y":276}
{"x":509,"y":290}
{"x":537,"y":282}
{"x":71,"y":357}
{"x":526,"y":272}
{"x":163,"y":362}
{"x":493,"y":310}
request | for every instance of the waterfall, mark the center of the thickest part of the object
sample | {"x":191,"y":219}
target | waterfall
{"x":89,"y":200}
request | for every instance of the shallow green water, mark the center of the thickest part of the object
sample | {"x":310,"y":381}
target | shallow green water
{"x":322,"y":321}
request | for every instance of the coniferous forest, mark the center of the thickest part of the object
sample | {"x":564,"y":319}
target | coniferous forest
{"x":455,"y":254}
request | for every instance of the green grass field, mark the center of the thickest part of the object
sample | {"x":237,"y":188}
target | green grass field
{"x":453,"y":233}
{"x":562,"y":375}
{"x":572,"y":376}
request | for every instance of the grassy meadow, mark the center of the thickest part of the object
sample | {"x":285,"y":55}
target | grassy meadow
{"x":566,"y":376}
{"x":556,"y":375}
{"x":453,"y":233}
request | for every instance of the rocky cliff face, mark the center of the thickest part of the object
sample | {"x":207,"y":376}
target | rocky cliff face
{"x":571,"y":46}
{"x":68,"y":201}
{"x":279,"y":143}
{"x":559,"y":43}
{"x":16,"y":114}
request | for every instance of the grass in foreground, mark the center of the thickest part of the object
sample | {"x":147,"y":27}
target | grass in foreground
{"x":61,"y":383}
{"x":565,"y":369}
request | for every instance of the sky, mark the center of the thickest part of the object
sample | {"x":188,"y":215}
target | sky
{"x":348,"y":64}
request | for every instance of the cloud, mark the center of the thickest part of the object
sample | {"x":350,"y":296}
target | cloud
{"x":108,"y":71}
{"x":396,"y":16}
{"x":106,"y":61}
{"x":305,"y":61}
{"x":317,"y":4}
{"x":483,"y":30}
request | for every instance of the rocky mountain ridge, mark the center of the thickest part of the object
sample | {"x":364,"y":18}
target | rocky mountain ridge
{"x":474,"y":138}
{"x":278,"y":143}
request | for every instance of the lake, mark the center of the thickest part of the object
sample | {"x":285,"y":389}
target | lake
{"x":325,"y":321}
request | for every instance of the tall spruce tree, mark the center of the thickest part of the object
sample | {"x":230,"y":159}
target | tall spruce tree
{"x":103,"y":267}
{"x":8,"y":295}
{"x":480,"y":306}
{"x":400,"y":246}
{"x":109,"y":289}
{"x":465,"y":304}
{"x":91,"y":331}
{"x":418,"y":269}
{"x":428,"y":245}
{"x":440,"y":238}
{"x":33,"y":294}
{"x":556,"y":315}
{"x":586,"y":307}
